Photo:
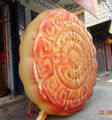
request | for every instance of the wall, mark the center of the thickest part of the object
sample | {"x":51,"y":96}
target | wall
{"x":100,"y":55}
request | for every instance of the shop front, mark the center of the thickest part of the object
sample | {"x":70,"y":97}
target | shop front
{"x":3,"y":53}
{"x":102,"y":40}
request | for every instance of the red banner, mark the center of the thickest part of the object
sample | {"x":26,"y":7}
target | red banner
{"x":89,"y":5}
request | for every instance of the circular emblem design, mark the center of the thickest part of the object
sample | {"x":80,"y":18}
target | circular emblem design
{"x":64,"y":60}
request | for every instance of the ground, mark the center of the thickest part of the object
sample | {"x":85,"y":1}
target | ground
{"x":98,"y":107}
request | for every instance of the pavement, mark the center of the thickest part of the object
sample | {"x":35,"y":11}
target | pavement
{"x":98,"y":107}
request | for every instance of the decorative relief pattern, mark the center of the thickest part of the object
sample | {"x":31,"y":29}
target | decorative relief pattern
{"x":65,"y":60}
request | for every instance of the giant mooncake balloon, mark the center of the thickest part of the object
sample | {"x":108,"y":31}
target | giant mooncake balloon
{"x":57,"y":63}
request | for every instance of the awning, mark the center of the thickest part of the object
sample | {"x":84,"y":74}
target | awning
{"x":101,"y":31}
{"x":71,"y":5}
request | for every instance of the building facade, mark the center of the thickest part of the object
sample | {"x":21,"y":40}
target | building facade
{"x":99,"y":27}
{"x":13,"y":19}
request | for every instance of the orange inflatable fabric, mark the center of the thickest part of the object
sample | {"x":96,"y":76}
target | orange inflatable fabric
{"x":57,"y":63}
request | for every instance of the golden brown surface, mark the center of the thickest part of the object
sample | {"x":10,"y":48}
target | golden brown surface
{"x":58,"y":62}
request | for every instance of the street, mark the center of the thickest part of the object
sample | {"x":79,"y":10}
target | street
{"x":53,"y":49}
{"x":98,"y":107}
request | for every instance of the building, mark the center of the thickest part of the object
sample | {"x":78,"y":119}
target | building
{"x":99,"y":27}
